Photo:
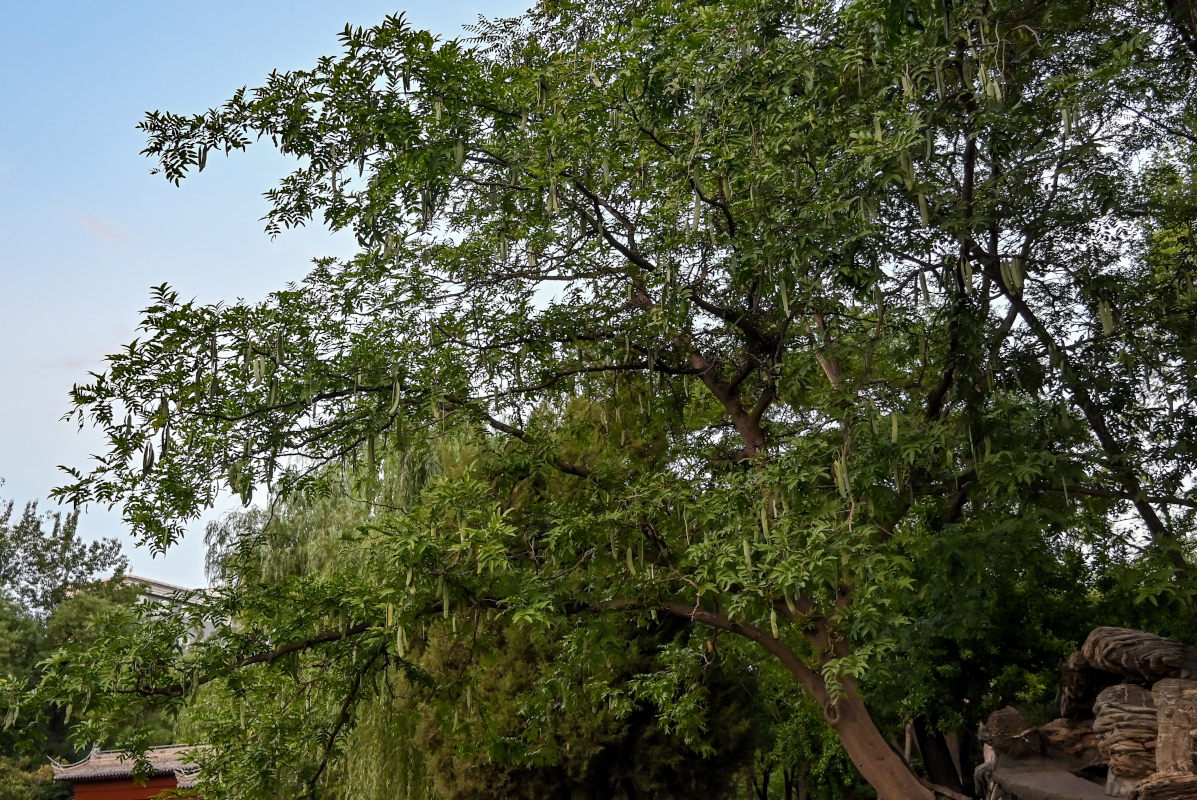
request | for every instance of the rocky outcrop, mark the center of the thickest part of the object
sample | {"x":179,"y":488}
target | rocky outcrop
{"x":1127,"y":727}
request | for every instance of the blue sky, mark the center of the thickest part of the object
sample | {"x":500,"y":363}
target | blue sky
{"x":86,"y":230}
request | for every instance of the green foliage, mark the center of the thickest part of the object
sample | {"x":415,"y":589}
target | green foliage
{"x":447,"y":709}
{"x":42,"y":557}
{"x":19,"y":781}
{"x":838,"y":327}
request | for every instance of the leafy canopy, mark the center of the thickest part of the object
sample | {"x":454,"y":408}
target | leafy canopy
{"x":770,"y":309}
{"x":42,"y":557}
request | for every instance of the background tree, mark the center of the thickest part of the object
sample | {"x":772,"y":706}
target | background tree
{"x":42,"y":561}
{"x":42,"y":557}
{"x":478,"y":709}
{"x":768,"y":305}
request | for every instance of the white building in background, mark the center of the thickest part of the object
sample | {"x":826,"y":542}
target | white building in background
{"x":172,"y":599}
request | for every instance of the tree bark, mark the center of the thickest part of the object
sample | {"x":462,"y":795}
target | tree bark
{"x":936,"y":756}
{"x":878,"y":763}
{"x":1183,"y":15}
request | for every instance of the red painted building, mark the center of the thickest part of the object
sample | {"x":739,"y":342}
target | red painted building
{"x":108,"y":774}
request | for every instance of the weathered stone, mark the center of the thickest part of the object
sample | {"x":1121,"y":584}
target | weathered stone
{"x":1038,"y":779}
{"x":1176,"y":704}
{"x":1139,"y":656}
{"x":1168,"y":787}
{"x":1125,"y":719}
{"x":1080,"y":682}
{"x":1072,"y":741}
{"x":1011,"y":734}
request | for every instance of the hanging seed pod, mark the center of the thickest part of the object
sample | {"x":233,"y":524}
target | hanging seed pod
{"x":697,"y":213}
{"x":878,"y":133}
{"x":925,"y":216}
{"x":458,"y":154}
{"x":395,"y":398}
{"x":773,"y":623}
{"x":1016,"y":274}
{"x":764,"y":522}
{"x":840,"y":470}
{"x":437,"y":106}
{"x":1107,"y":317}
{"x":147,"y":458}
{"x":747,"y":552}
{"x":893,"y":427}
{"x":390,"y":614}
{"x":631,"y":563}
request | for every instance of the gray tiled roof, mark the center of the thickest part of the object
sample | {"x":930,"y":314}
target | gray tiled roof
{"x":99,"y":764}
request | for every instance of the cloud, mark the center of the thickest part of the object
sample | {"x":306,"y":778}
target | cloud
{"x":73,"y":363}
{"x":102,"y":229}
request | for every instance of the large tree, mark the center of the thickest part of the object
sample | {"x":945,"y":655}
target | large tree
{"x":42,"y":557}
{"x":769,"y":307}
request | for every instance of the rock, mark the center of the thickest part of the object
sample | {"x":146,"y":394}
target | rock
{"x":1011,"y":734}
{"x":1168,"y":787}
{"x":1072,"y":741}
{"x":1139,"y":656}
{"x":1176,"y":703}
{"x":1080,"y":682}
{"x":1125,"y":720}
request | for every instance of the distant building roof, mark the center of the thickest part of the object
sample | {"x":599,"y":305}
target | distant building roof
{"x":104,"y":764}
{"x":161,"y":590}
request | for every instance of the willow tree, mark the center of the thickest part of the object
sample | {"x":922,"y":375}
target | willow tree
{"x":773,"y":295}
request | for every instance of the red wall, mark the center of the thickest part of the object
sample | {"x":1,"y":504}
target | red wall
{"x":122,"y":789}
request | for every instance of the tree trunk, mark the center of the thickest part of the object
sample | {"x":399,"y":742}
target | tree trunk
{"x":1183,"y":15}
{"x":936,"y":757}
{"x":878,"y":763}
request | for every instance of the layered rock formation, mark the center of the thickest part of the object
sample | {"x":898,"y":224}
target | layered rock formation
{"x":1127,"y":727}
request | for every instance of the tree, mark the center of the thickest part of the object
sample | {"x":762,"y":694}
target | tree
{"x":467,"y":711}
{"x":42,"y":557}
{"x":762,"y":302}
{"x":42,"y":561}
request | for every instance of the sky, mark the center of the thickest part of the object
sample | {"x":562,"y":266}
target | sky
{"x":85,"y":229}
